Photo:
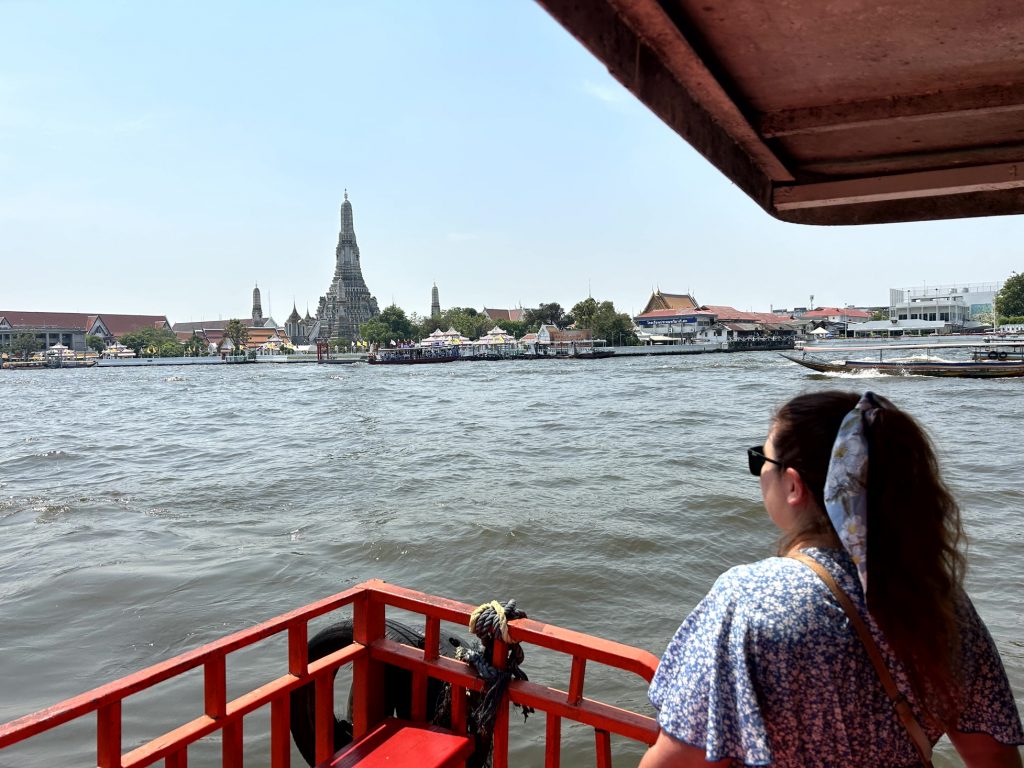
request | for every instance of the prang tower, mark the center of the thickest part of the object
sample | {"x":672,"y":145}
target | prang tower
{"x":257,"y":308}
{"x":347,"y":303}
{"x":435,"y":302}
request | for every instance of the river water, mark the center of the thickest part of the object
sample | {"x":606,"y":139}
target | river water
{"x":144,"y":512}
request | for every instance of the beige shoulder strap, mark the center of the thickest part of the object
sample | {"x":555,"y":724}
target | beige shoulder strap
{"x":906,"y":715}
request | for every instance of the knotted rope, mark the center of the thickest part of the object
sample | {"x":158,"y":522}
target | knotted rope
{"x":489,"y":622}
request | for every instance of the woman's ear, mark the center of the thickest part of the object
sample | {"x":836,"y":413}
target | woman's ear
{"x":797,"y":492}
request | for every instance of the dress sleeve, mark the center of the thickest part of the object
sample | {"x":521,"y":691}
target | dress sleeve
{"x":704,"y":689}
{"x":988,"y":703}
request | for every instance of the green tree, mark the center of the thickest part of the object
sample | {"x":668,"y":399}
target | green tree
{"x":95,"y":342}
{"x":376,"y":331}
{"x":604,"y":322}
{"x":195,"y":347}
{"x":1010,"y":299}
{"x":465,"y":320}
{"x":583,"y":312}
{"x":551,"y":314}
{"x":170,"y":349}
{"x":238,"y":333}
{"x":25,"y":344}
{"x":399,"y":325}
{"x":880,"y":314}
{"x":149,"y":340}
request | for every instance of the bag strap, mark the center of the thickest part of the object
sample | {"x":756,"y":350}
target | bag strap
{"x":899,"y":701}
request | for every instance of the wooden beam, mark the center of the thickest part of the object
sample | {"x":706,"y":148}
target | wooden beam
{"x":943,"y":105}
{"x":955,"y":181}
{"x":657,"y":31}
{"x":906,"y":162}
{"x":606,"y":34}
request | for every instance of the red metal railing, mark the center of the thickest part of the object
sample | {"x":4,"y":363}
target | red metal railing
{"x":368,"y":655}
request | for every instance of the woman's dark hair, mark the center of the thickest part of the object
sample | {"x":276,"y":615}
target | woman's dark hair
{"x":915,"y":567}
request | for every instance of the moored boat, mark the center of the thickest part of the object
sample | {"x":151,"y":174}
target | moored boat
{"x":149,"y":362}
{"x":414,"y":355}
{"x":48,"y":362}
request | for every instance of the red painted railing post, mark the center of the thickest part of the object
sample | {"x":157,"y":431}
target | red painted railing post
{"x":324,"y":717}
{"x":108,"y":736}
{"x":280,"y":732}
{"x":431,"y":645}
{"x":576,"y":677}
{"x":553,"y":741}
{"x":298,"y":648}
{"x":231,"y":744}
{"x":215,"y":686}
{"x":603,"y":744}
{"x":367,"y":675}
{"x":499,"y":660}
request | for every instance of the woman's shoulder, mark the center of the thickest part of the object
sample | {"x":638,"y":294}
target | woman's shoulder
{"x":781,"y":592}
{"x":775,"y":574}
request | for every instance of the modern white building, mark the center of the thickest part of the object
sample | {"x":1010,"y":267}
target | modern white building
{"x":956,"y":305}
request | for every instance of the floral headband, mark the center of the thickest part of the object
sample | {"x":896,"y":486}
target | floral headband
{"x":846,"y":485}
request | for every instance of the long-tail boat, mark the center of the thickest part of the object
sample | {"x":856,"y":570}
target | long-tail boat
{"x":991,"y":361}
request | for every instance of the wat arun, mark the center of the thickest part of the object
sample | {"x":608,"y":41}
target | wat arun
{"x":348,"y":303}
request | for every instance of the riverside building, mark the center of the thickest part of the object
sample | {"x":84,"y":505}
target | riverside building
{"x":955,"y":305}
{"x":71,"y":328}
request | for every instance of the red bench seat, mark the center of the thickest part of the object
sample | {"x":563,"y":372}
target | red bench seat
{"x":395,"y":743}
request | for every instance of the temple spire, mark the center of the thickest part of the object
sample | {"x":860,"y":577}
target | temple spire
{"x":257,"y":307}
{"x":348,"y":302}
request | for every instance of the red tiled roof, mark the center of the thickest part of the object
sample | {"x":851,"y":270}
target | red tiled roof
{"x":46,"y":319}
{"x":829,"y":311}
{"x":119,"y":325}
{"x":515,"y":315}
{"x":200,"y":325}
{"x":726,"y":314}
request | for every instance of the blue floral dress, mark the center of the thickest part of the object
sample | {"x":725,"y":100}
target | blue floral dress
{"x":768,"y":671}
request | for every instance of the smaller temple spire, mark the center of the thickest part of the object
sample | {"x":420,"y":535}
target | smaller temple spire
{"x":257,"y":307}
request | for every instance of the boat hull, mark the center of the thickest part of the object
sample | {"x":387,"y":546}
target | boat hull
{"x":30,"y":365}
{"x":149,"y":362}
{"x":959,"y":370}
{"x":413,"y":360}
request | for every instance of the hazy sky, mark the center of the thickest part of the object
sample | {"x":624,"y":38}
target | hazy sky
{"x":161,"y":158}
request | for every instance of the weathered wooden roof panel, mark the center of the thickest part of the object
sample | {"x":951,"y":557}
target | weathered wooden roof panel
{"x":916,"y":106}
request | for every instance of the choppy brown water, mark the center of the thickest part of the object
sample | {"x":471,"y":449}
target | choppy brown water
{"x":144,"y":512}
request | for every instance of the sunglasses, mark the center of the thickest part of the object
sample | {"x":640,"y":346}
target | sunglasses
{"x":756,"y":460}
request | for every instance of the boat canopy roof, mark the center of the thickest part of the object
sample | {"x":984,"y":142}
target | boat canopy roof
{"x":831,"y":113}
{"x":899,"y":346}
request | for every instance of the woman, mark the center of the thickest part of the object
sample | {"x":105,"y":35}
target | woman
{"x":767,"y":669}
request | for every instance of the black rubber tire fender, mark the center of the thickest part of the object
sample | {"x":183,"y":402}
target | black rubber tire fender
{"x":397,"y":684}
{"x":1002,"y":355}
{"x":992,"y":355}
